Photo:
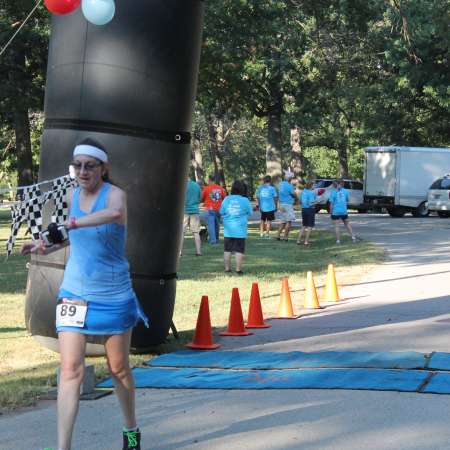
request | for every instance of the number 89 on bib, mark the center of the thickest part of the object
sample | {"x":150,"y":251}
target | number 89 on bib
{"x":70,"y":315}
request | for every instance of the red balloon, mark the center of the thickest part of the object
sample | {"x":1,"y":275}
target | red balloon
{"x":62,"y":6}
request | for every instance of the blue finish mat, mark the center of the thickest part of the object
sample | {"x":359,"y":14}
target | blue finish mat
{"x":291,"y":360}
{"x":438,"y":384}
{"x":363,"y":379}
{"x":381,"y":371}
{"x":439,"y":361}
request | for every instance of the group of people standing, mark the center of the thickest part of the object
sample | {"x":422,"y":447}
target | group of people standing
{"x":235,"y":210}
{"x":270,"y":201}
{"x":212,"y":197}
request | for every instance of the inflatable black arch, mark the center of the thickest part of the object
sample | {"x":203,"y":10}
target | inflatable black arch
{"x":130,"y":85}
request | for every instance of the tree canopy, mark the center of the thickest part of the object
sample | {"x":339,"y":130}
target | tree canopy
{"x":282,"y":83}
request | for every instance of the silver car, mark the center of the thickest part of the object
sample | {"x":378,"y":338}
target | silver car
{"x":439,"y":196}
{"x":324,"y":186}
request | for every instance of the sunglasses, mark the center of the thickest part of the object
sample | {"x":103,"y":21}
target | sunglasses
{"x":88,"y":167}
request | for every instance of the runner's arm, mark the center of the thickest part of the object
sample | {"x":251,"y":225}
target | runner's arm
{"x":257,"y":199}
{"x":249,"y":208}
{"x":115,"y":212}
{"x":331,"y":199}
{"x":38,"y":247}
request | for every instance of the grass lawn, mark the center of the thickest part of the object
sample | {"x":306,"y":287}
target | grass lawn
{"x":27,"y":369}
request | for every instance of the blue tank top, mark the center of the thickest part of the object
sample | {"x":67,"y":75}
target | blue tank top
{"x":97,"y":269}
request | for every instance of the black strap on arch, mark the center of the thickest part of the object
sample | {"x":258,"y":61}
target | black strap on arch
{"x":162,"y":278}
{"x":174,"y":137}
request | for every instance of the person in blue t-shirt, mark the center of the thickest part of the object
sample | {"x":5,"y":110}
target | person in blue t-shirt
{"x":286,"y":197}
{"x":338,"y":204}
{"x":308,"y":201}
{"x":192,"y":214}
{"x":267,"y":202}
{"x":235,"y":210}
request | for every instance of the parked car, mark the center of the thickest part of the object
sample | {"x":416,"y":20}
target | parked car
{"x":324,"y":186}
{"x":439,"y":196}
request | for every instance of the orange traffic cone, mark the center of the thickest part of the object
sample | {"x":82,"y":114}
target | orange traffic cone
{"x":236,"y":319}
{"x":203,"y":334}
{"x":311,"y":300}
{"x":285,"y":310}
{"x":255,"y":314}
{"x":331,"y":290}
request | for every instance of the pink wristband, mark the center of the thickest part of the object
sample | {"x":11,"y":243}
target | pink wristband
{"x":73,"y":223}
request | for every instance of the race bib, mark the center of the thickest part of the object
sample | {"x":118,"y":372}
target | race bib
{"x":71,"y":313}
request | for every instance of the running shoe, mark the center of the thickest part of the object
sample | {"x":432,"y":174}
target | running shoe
{"x":132,"y":440}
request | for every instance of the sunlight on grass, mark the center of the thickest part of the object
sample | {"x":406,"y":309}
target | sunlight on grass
{"x":28,"y":369}
{"x":266,"y":262}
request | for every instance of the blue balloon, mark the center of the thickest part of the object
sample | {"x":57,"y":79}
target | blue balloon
{"x":98,"y":12}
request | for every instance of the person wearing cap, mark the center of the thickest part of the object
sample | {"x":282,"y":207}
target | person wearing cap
{"x":286,"y":197}
{"x":338,"y":203}
{"x":96,"y":296}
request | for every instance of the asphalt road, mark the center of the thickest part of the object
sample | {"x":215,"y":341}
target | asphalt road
{"x":402,"y":305}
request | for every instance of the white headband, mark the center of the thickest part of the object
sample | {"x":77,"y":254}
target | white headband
{"x":90,"y":150}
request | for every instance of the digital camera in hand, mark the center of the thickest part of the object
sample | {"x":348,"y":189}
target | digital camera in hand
{"x":55,"y":234}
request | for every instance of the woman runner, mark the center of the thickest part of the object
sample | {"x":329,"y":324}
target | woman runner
{"x":97,"y":289}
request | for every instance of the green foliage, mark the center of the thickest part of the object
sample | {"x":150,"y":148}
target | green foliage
{"x":22,"y":77}
{"x":322,"y":163}
{"x":347,"y":73}
{"x":350,"y":73}
{"x":245,"y":156}
{"x":23,"y":65}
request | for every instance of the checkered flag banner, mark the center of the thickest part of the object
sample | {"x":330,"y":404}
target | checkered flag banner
{"x":58,"y":193}
{"x":29,"y":208}
{"x":30,"y":211}
{"x":27,"y":192}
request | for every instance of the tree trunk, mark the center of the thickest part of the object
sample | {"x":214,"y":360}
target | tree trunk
{"x":297,"y":160}
{"x":215,"y":129}
{"x":250,"y":184}
{"x":273,"y":149}
{"x":197,"y":160}
{"x":23,"y":147}
{"x":21,"y":121}
{"x":220,"y":135}
{"x":274,"y":138}
{"x":343,"y":160}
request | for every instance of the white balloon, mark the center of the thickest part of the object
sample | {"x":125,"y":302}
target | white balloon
{"x":98,"y":12}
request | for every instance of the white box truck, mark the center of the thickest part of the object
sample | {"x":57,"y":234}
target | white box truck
{"x":398,"y":178}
